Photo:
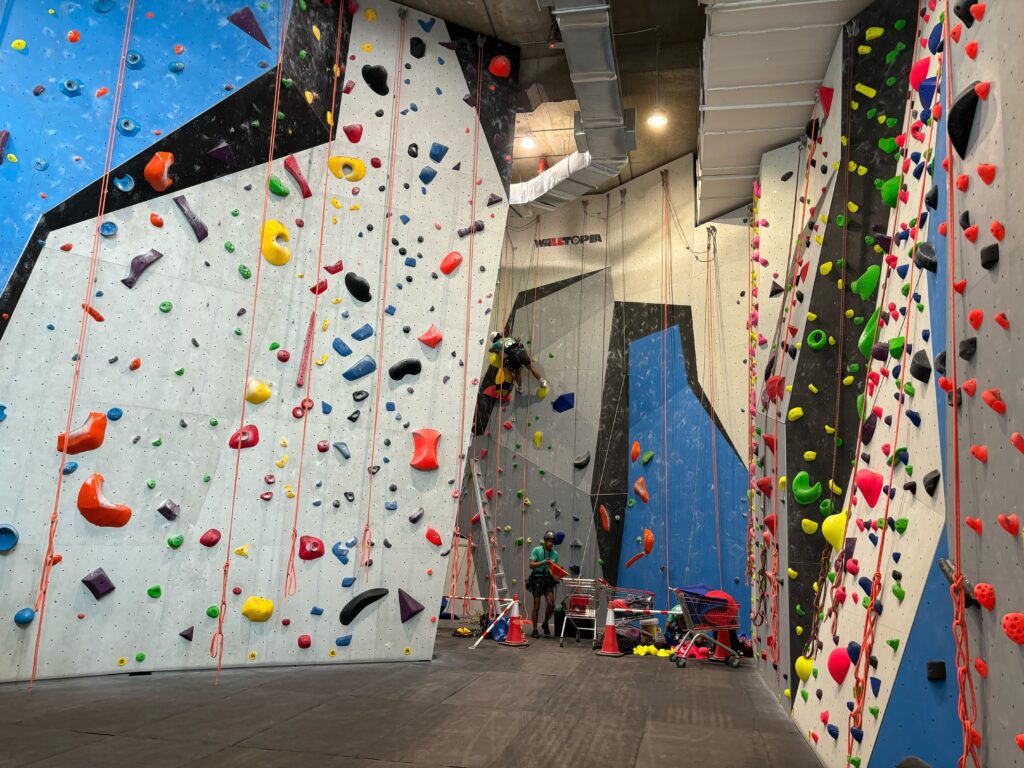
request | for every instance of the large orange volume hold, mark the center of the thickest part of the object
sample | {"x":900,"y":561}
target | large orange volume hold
{"x":88,"y":437}
{"x":424,"y":452}
{"x":157,"y":170}
{"x":96,"y":509}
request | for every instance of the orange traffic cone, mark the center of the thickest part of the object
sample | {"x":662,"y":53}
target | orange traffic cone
{"x":610,"y":646}
{"x":515,"y":632}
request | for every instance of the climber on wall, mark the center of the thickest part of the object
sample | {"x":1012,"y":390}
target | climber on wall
{"x":514,"y":358}
{"x":541,"y":583}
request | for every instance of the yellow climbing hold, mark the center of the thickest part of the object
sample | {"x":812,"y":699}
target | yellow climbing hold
{"x":537,"y":437}
{"x":330,"y":118}
{"x":825,"y":268}
{"x":322,"y":359}
{"x":810,"y":455}
{"x":795,"y":414}
{"x":284,"y":442}
{"x":257,"y":391}
{"x":799,"y":631}
{"x":367,"y":47}
{"x":852,"y":207}
{"x":316,"y":32}
{"x":865,"y":90}
{"x":325,"y":325}
{"x":347,"y":168}
{"x":786,"y":693}
{"x":289,"y":492}
{"x":847,"y":381}
{"x":863,"y":50}
{"x":861,"y":170}
{"x":812,"y":316}
{"x":272,"y":250}
{"x":835,"y":488}
{"x":810,"y":527}
{"x":782,"y":483}
{"x":309,"y":96}
{"x":19,"y":44}
{"x":258,"y":609}
{"x":336,"y":203}
{"x":833,"y":528}
{"x":791,"y":573}
{"x":370,"y":14}
{"x":542,"y":392}
{"x":849,"y":314}
{"x":242,"y":551}
{"x":812,"y":389}
{"x":873,"y":33}
{"x":803,"y":667}
{"x":282,"y":461}
{"x":829,"y":430}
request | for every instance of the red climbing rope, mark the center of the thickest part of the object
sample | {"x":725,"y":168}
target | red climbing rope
{"x":217,"y":643}
{"x":291,"y":577}
{"x":51,"y":558}
{"x":967,"y":705}
{"x":366,"y":540}
{"x":665,"y":235}
{"x":709,"y":340}
{"x":533,"y":330}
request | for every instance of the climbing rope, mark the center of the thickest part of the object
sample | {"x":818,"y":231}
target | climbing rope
{"x":524,"y":502}
{"x":366,"y":541}
{"x":291,"y":577}
{"x":665,"y":235}
{"x":217,"y":642}
{"x":51,"y":558}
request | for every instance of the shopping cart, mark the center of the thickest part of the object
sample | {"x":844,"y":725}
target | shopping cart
{"x":708,"y":616}
{"x":630,"y":605}
{"x":581,"y":596}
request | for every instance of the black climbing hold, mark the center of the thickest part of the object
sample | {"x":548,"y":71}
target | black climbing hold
{"x":932,"y":198}
{"x":417,"y":48}
{"x":377,"y":78}
{"x":359,"y":395}
{"x":187,"y":633}
{"x":897,"y":576}
{"x":356,"y":605}
{"x":354,"y":416}
{"x":968,"y":348}
{"x":358,"y":286}
{"x":98,"y":583}
{"x":414,"y":150}
{"x":962,"y":10}
{"x":920,"y":367}
{"x":940,"y":363}
{"x":787,"y":176}
{"x":417,"y":515}
{"x":493,"y":199}
{"x":911,"y":486}
{"x":937,"y":670}
{"x":581,"y":461}
{"x":812,"y":129}
{"x":960,"y":120}
{"x":931,"y":481}
{"x":408,"y":606}
{"x":246,"y":21}
{"x":990,"y":255}
{"x":924,"y":257}
{"x":867,"y":431}
{"x":199,"y":229}
{"x":965,"y":220}
{"x":169,"y":509}
{"x":959,"y":398}
{"x":775,"y":290}
{"x":349,"y":496}
{"x":408,"y":367}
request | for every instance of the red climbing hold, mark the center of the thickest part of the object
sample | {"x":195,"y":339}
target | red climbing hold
{"x":998,"y":230}
{"x":839,"y":664}
{"x":305,"y":641}
{"x":981,"y":666}
{"x":96,"y":509}
{"x":1009,"y":523}
{"x":292,"y":166}
{"x":993,"y":398}
{"x":974,"y":524}
{"x":978,"y":11}
{"x":825,"y":97}
{"x":1017,"y":440}
{"x":987,"y":172}
{"x":764,"y":485}
{"x":431,"y":337}
{"x":319,"y":288}
{"x":157,"y":169}
{"x":975,"y":318}
{"x":508,"y":426}
{"x":634,"y":452}
{"x":88,"y":437}
{"x":969,"y":387}
{"x":606,"y":524}
{"x":135,"y":364}
{"x":985,"y":594}
{"x":960,"y":285}
{"x":433,"y":536}
{"x":210,"y":538}
{"x":1002,"y":320}
{"x":955,"y":32}
{"x":246,"y":437}
{"x":1013,"y":626}
{"x":640,"y":489}
{"x":770,"y":521}
{"x":769,"y":442}
{"x":354,"y":132}
{"x":310,"y":548}
{"x":971,"y":49}
{"x":156,"y":220}
{"x":963,"y":181}
{"x":335,"y":268}
{"x":982,"y":89}
{"x":971,"y":233}
{"x":451,"y":262}
{"x":500,"y":66}
{"x":980,"y":452}
{"x":869,"y":483}
{"x":424,"y":449}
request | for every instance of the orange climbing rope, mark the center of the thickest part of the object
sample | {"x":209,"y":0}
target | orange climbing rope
{"x":709,"y":339}
{"x":217,"y":643}
{"x":666,"y":234}
{"x":366,"y":540}
{"x":51,"y":558}
{"x":533,"y":330}
{"x":967,"y":704}
{"x":291,"y":577}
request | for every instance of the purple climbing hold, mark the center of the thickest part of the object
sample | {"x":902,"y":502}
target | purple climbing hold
{"x":98,"y":583}
{"x":4,"y":138}
{"x":416,"y":516}
{"x":169,"y":509}
{"x":408,"y":606}
{"x":140,"y":264}
{"x":493,"y":199}
{"x":198,"y":227}
{"x":223,"y":153}
{"x":245,"y":20}
{"x":476,"y":226}
{"x":187,"y":633}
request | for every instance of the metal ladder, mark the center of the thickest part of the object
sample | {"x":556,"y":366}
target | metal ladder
{"x":497,"y":568}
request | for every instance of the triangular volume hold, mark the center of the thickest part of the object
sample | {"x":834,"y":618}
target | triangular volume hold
{"x":825,"y":95}
{"x":245,"y":20}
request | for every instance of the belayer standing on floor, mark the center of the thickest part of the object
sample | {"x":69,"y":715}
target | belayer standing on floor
{"x":514,"y":358}
{"x":541,"y":583}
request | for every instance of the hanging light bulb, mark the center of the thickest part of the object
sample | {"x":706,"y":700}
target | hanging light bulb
{"x":528,"y":142}
{"x":657,"y":118}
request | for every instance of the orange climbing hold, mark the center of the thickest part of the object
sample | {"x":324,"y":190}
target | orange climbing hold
{"x":640,"y":489}
{"x":648,"y":541}
{"x":96,"y":509}
{"x":88,"y":437}
{"x":998,"y":230}
{"x":156,"y":220}
{"x":431,"y":337}
{"x":606,"y":524}
{"x":157,"y":169}
{"x":93,"y":312}
{"x":634,"y":453}
{"x":424,"y":451}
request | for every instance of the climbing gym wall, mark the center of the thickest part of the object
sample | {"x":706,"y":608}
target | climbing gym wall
{"x":609,"y":296}
{"x":235,"y":405}
{"x":879,"y":472}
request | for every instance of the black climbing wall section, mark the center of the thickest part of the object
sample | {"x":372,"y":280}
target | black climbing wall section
{"x":877,"y":119}
{"x":630,"y":321}
{"x":498,"y":94}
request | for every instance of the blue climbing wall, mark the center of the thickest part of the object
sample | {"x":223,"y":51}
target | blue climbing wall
{"x":657,"y":366}
{"x":58,"y":142}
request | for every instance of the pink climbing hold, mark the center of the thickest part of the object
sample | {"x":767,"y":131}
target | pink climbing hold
{"x":919,"y":72}
{"x":246,"y":437}
{"x":431,"y":337}
{"x":869,"y":483}
{"x":310,"y":548}
{"x":451,"y":262}
{"x":839,"y":664}
{"x":424,"y":450}
{"x":210,"y":538}
{"x":353,"y":132}
{"x":433,"y":536}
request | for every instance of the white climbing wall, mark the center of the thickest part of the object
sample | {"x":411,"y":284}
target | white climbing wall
{"x":184,"y":400}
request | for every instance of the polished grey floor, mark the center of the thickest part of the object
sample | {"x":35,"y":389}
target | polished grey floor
{"x":494,"y":706}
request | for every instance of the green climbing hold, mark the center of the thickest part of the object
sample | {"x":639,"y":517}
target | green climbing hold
{"x":244,"y":271}
{"x":888,"y":145}
{"x":827,"y":507}
{"x":140,"y":657}
{"x":896,"y":346}
{"x":865,"y":285}
{"x":238,"y":331}
{"x":800,"y":611}
{"x":901,"y":525}
{"x":213,"y":421}
{"x":891,"y":190}
{"x":840,"y":220}
{"x":154,"y":591}
{"x":213,"y":611}
{"x":874,"y":712}
{"x":803,"y":491}
{"x":206,"y":478}
{"x":899,"y":24}
{"x":179,"y":371}
{"x":909,"y":389}
{"x":646,"y":457}
{"x":894,"y":643}
{"x":868,"y":335}
{"x":151,"y":484}
{"x":286,"y":82}
{"x":817,"y":339}
{"x":235,"y":212}
{"x":166,"y":306}
{"x":175,"y":541}
{"x":854,"y":761}
{"x":890,"y":81}
{"x":229,"y":246}
{"x":158,"y":442}
{"x":631,"y":503}
{"x":899,"y":592}
{"x":803,"y":695}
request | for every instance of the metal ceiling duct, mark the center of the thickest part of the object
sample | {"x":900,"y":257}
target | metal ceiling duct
{"x":605,"y":132}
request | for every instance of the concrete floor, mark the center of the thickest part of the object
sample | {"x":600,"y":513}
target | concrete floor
{"x":494,"y":706}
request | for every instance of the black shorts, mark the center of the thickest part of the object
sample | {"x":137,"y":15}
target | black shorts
{"x":540,"y":582}
{"x":516,"y":358}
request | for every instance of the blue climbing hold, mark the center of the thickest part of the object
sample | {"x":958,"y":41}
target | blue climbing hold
{"x":427,"y":24}
{"x":404,"y":219}
{"x":427,"y":174}
{"x":134,"y":60}
{"x":24,"y":617}
{"x":410,"y":261}
{"x":437,"y":152}
{"x":853,"y":651}
{"x":342,"y":448}
{"x":176,"y":66}
{"x":344,"y":640}
{"x":317,"y":611}
{"x":70,"y":467}
{"x":125,"y":183}
{"x":902,"y":270}
{"x":8,"y":537}
{"x":390,"y":309}
{"x":114,"y":414}
{"x":364,"y":367}
{"x":833,"y":730}
{"x":340,"y":552}
{"x":351,"y":542}
{"x":348,"y":581}
{"x":389,"y":406}
{"x":326,"y":407}
{"x":363,"y":332}
{"x":390,"y":506}
{"x":564,"y":403}
{"x":108,"y":229}
{"x":876,"y":685}
{"x":3,"y":412}
{"x":71,"y":87}
{"x":341,"y":347}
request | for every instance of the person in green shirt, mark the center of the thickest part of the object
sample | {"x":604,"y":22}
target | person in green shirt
{"x":541,"y":583}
